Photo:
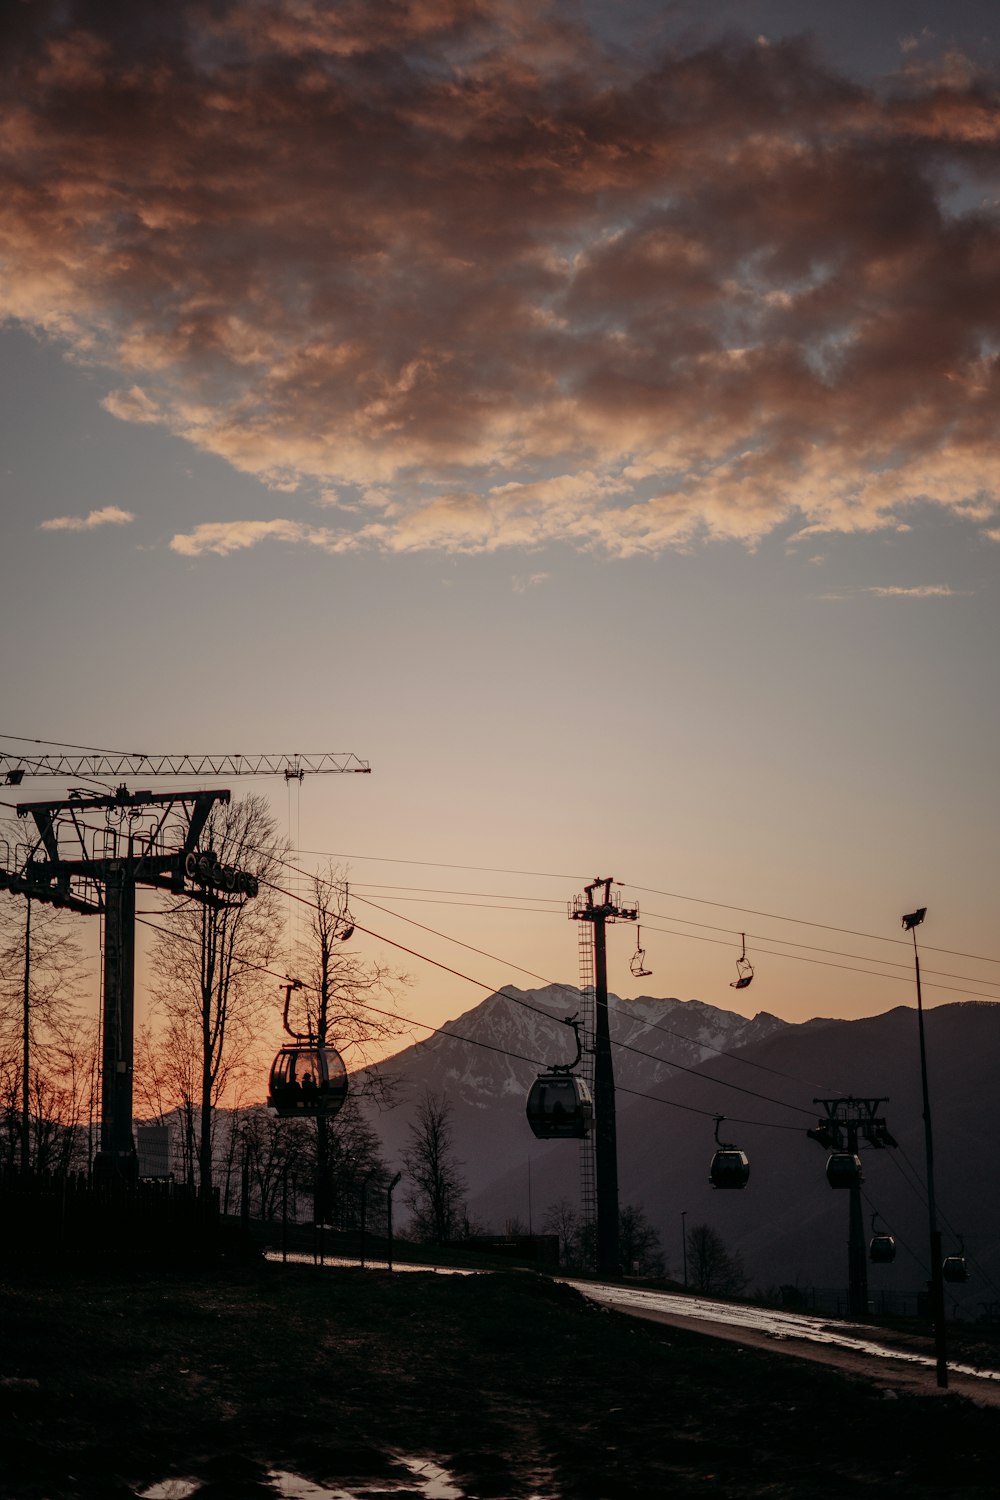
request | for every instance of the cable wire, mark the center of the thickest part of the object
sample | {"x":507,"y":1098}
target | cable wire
{"x":475,"y":1041}
{"x":654,"y":1025}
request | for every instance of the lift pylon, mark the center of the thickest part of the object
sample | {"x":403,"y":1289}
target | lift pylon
{"x":149,"y":839}
{"x":599,"y":905}
{"x":846,"y":1122}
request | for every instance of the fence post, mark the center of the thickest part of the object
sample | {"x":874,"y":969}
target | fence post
{"x":388,"y":1217}
{"x":284,"y":1214}
{"x":245,"y":1195}
{"x":364,"y":1214}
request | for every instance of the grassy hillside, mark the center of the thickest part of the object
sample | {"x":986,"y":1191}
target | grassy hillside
{"x":515,"y":1385}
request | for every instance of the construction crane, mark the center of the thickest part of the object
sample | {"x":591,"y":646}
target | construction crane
{"x":15,"y":766}
{"x":148,"y":839}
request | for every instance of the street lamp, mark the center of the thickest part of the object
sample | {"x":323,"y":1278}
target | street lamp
{"x":684,"y":1245}
{"x":910,"y":924}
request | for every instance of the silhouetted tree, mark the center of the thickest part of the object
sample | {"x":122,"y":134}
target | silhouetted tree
{"x":712,"y":1270}
{"x":347,"y":1002}
{"x":208,"y":983}
{"x":436,"y":1196}
{"x":562,"y":1219}
{"x":639,"y":1245}
{"x":47,"y":1052}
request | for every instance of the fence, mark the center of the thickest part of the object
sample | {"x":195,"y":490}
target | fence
{"x":69,"y":1219}
{"x":835,"y":1302}
{"x":355,"y":1228}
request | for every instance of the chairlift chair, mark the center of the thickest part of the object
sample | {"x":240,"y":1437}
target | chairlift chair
{"x":730,"y":1166}
{"x":560,"y":1105}
{"x":744,"y":968}
{"x":843,"y":1169}
{"x":345,"y":922}
{"x":881,"y":1246}
{"x":637,"y":963}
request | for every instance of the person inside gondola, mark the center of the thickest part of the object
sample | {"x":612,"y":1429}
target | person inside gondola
{"x":308,"y":1088}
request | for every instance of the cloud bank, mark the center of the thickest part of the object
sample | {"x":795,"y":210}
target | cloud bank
{"x":476,"y":277}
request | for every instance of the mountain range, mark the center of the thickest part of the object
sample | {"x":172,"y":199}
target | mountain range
{"x":678,"y":1064}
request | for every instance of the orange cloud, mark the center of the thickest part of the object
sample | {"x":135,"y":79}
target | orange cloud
{"x":492,"y":281}
{"x":108,"y":515}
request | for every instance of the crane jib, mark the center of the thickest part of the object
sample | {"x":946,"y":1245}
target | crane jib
{"x":14,"y":766}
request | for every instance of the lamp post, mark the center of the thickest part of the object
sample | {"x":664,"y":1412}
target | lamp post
{"x":910,"y":924}
{"x":684,"y":1245}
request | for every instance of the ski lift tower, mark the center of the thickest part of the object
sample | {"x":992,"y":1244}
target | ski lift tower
{"x":598,"y":906}
{"x":846,"y":1122}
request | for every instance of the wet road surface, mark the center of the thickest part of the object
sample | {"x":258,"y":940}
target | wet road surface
{"x":846,"y":1346}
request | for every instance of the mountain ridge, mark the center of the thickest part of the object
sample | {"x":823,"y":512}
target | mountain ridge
{"x":678,"y":1065}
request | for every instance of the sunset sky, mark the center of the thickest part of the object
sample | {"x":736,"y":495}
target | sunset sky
{"x":585,"y":413}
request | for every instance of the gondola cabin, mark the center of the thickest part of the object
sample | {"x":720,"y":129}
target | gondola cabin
{"x":560,"y":1107}
{"x":307,"y":1080}
{"x":843,"y":1170}
{"x":882,"y":1249}
{"x":730,"y":1168}
{"x":954,"y":1268}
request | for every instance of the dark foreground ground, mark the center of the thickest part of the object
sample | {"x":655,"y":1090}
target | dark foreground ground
{"x":515,"y":1386}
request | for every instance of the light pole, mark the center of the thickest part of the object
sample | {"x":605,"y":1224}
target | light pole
{"x":910,"y":924}
{"x":684,"y":1245}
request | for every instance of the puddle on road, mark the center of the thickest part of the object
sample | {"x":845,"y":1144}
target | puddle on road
{"x":436,"y":1482}
{"x":171,"y":1489}
{"x":295,"y":1487}
{"x":426,"y":1478}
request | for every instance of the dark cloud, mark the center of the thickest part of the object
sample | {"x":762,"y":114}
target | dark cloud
{"x":491,"y":279}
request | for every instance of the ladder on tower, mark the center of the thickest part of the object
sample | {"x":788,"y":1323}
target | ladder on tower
{"x":588,"y":1018}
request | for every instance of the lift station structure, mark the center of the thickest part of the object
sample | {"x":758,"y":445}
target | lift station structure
{"x":147,"y":839}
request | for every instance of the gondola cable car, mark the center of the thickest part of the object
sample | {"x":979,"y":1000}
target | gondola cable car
{"x":730,"y":1166}
{"x":955,"y":1268}
{"x":637,"y":963}
{"x":744,"y":968}
{"x":560,"y":1105}
{"x":881,"y":1246}
{"x":843,"y":1169}
{"x":307,"y":1080}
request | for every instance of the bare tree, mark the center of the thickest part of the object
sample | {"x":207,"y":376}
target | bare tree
{"x":41,"y":975}
{"x":348,"y":1003}
{"x":208,"y":982}
{"x":436,"y":1196}
{"x":272,"y":1148}
{"x":562,"y":1219}
{"x":711,"y":1268}
{"x":67,"y":1093}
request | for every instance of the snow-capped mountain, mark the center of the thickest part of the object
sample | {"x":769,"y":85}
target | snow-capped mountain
{"x":489,"y":1057}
